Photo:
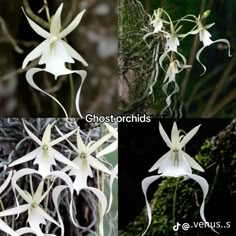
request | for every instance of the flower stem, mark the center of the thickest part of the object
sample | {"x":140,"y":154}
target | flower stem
{"x":72,"y":95}
{"x":174,"y":201}
{"x":47,"y":10}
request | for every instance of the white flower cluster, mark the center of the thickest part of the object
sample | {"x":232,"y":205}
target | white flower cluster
{"x":45,"y":158}
{"x":169,"y":37}
{"x":54,"y":52}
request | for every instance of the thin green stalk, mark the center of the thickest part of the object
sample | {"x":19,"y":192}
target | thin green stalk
{"x":174,"y":201}
{"x":47,"y":10}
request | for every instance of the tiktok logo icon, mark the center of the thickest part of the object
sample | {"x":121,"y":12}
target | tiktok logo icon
{"x":176,"y":227}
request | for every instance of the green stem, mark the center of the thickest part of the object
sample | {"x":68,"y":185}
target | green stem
{"x":174,"y":201}
{"x":72,"y":94}
{"x":47,"y":10}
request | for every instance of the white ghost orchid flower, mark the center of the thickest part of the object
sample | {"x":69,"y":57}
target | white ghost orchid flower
{"x":205,"y":37}
{"x":3,"y":226}
{"x":45,"y":155}
{"x":175,"y":163}
{"x":54,"y":52}
{"x":55,"y":174}
{"x":36,"y":215}
{"x":174,"y":68}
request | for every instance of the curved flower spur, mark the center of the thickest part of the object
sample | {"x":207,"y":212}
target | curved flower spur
{"x":175,"y":163}
{"x":54,"y":52}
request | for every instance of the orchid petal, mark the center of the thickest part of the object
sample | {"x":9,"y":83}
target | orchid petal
{"x":61,"y":158}
{"x":33,"y":136}
{"x":6,"y":182}
{"x":114,"y":173}
{"x":15,"y":210}
{"x":164,"y":136}
{"x":39,"y":192}
{"x":73,"y":53}
{"x":145,"y":185}
{"x":175,"y":135}
{"x":198,"y":59}
{"x":47,"y":135}
{"x":172,"y":167}
{"x":110,"y":148}
{"x":103,"y":201}
{"x":24,"y":194}
{"x":159,"y":161}
{"x":29,"y":78}
{"x":60,"y":139}
{"x":46,"y":216}
{"x":192,"y":162}
{"x":55,"y":26}
{"x":28,"y":157}
{"x":71,"y":144}
{"x":69,"y":183}
{"x":80,"y":142}
{"x":205,"y":187}
{"x":7,"y":229}
{"x":39,"y":30}
{"x":37,"y":52}
{"x":27,"y":230}
{"x":83,"y":75}
{"x":98,"y":143}
{"x":72,"y":25}
{"x":55,"y":195}
{"x":188,"y":136}
{"x":96,"y":164}
{"x":112,"y":130}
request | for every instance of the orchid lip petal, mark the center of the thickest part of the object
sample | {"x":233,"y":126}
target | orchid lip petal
{"x":39,"y":30}
{"x":145,"y":185}
{"x":72,"y":25}
{"x":29,"y":78}
{"x":7,"y":229}
{"x":83,"y":75}
{"x":205,"y":187}
{"x":159,"y":161}
{"x":55,"y":26}
{"x":37,"y":52}
{"x":74,"y":53}
{"x":47,"y":217}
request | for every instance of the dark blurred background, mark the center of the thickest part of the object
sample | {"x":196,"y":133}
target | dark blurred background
{"x":95,"y":39}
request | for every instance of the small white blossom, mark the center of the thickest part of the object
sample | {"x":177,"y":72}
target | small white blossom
{"x":45,"y":155}
{"x":54,"y":52}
